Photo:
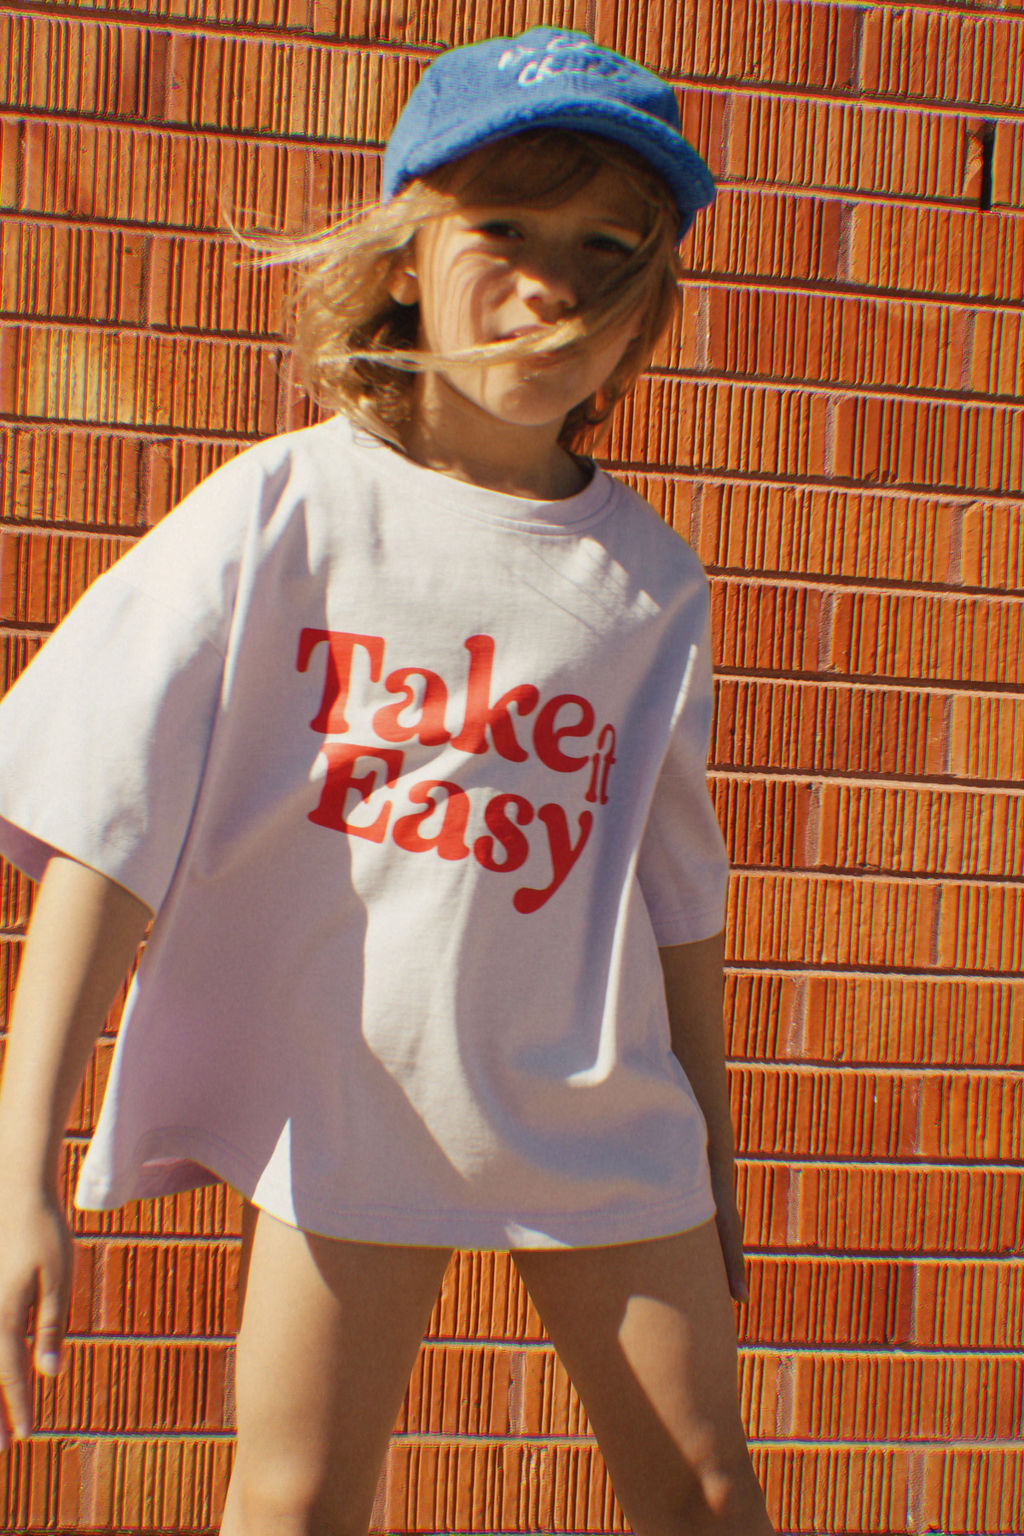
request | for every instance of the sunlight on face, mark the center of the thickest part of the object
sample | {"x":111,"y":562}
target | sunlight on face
{"x":489,"y":273}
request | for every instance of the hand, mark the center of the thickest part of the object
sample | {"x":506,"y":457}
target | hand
{"x":730,"y":1228}
{"x":35,"y":1272}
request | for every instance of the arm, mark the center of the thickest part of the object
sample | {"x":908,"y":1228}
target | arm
{"x":83,"y":937}
{"x":693,"y":991}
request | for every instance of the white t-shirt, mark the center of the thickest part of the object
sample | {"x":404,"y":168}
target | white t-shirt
{"x":412,"y":774}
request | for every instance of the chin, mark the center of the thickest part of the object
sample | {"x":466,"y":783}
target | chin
{"x":534,"y":403}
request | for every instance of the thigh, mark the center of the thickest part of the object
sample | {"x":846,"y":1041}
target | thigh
{"x":647,"y":1334}
{"x":328,"y":1336}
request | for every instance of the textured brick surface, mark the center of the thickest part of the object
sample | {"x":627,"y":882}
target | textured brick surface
{"x":836,"y":423}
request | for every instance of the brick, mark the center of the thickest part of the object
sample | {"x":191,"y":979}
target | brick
{"x":946,"y":253}
{"x":763,"y":820}
{"x":924,"y":445}
{"x":213,"y":286}
{"x":9,"y":960}
{"x":992,"y":542}
{"x":779,"y":1113}
{"x":880,"y":1113}
{"x":144,"y":177}
{"x":779,"y":237}
{"x":15,"y":898}
{"x":16,"y":651}
{"x":132,"y":1387}
{"x":201,"y":80}
{"x":29,"y":1477}
{"x":155,"y":1289}
{"x":878,"y":1020}
{"x":861,"y":1397}
{"x":49,"y":271}
{"x":498,"y":1487}
{"x":857,"y":342}
{"x":986,"y":738}
{"x":928,"y":637}
{"x":1007,"y":191}
{"x":850,"y":148}
{"x":256,"y":85}
{"x":908,"y":830}
{"x":942,"y":56}
{"x":85,"y":1110}
{"x":42,"y":575}
{"x":873,"y":535}
{"x":810,"y":727}
{"x":673,"y":423}
{"x":147,"y":379}
{"x":967,"y":1306}
{"x":703,"y":115}
{"x":834,"y":1489}
{"x":816,"y":1301}
{"x":482,"y":1298}
{"x":10,"y":162}
{"x":928,"y":1211}
{"x":830,"y":920}
{"x":458,"y":1390}
{"x":146,"y":1484}
{"x":969,"y":1489}
{"x":763,"y":1195}
{"x":550,"y":1403}
{"x":764,"y":627}
{"x":981,"y":927}
{"x":63,"y":476}
{"x":971,"y":1117}
{"x":76,"y":67}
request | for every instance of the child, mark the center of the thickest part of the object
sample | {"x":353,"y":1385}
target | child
{"x":396,"y":728}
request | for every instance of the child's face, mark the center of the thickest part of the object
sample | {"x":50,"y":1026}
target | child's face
{"x":489,"y":273}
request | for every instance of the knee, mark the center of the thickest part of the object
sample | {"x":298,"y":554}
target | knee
{"x":277,"y":1497}
{"x":713,"y":1500}
{"x":722,"y":1500}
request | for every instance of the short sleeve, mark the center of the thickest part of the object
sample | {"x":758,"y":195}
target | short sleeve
{"x":104,"y":737}
{"x":683,"y":867}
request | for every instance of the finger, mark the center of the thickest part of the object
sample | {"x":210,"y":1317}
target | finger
{"x":731,"y":1239}
{"x":14,"y":1382}
{"x":737,"y":1272}
{"x":51,"y":1325}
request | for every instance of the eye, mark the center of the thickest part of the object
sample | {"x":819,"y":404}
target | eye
{"x":610,"y":245}
{"x":498,"y":229}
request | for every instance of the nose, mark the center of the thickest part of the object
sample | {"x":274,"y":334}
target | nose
{"x":549,"y":288}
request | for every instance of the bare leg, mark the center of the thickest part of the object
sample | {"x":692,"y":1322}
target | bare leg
{"x":646,"y":1332}
{"x":328,"y":1338}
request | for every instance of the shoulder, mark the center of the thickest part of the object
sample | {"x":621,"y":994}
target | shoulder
{"x":656,"y":554}
{"x":243,"y":501}
{"x":260,"y":474}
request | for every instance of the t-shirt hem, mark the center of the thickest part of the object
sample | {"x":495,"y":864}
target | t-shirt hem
{"x":687,"y":927}
{"x":200,"y":1159}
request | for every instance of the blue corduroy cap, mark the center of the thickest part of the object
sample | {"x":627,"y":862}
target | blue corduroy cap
{"x":544,"y":78}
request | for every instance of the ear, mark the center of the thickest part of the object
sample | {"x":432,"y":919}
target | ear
{"x":403,"y":284}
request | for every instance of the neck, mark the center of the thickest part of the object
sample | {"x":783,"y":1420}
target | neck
{"x":450,"y":434}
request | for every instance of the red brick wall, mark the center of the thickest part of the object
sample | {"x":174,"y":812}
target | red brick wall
{"x":838,"y":427}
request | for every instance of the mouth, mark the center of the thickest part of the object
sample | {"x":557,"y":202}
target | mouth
{"x":521,"y":333}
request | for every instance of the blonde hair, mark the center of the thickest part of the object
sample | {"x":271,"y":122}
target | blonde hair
{"x":356,"y":345}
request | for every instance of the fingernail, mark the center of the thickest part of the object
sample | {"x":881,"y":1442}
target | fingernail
{"x":49,"y":1364}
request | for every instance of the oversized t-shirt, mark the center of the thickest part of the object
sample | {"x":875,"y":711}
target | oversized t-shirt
{"x":412,"y":775}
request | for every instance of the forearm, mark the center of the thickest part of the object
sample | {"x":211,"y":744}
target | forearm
{"x":693,"y":991}
{"x":82,"y":939}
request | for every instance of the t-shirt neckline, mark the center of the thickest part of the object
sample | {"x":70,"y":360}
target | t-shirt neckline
{"x":568,"y":515}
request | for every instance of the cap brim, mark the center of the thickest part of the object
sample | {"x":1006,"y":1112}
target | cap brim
{"x":688,"y":178}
